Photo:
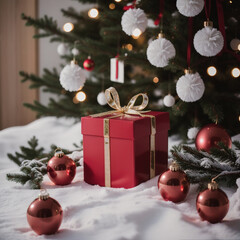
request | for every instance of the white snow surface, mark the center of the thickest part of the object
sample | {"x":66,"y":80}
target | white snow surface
{"x":93,"y":212}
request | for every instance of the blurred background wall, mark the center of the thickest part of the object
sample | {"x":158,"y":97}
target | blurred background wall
{"x":19,"y":51}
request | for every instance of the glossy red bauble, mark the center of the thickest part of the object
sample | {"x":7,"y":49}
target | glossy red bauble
{"x":209,"y":136}
{"x":44,"y":215}
{"x":61,"y":169}
{"x":173,"y":185}
{"x":212,"y":205}
{"x":88,"y":64}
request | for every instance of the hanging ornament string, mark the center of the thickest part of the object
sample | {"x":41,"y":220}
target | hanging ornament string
{"x":117,"y":65}
{"x":190,"y":40}
{"x":160,"y":15}
{"x":207,"y":8}
{"x":221,"y":23}
{"x":222,"y":28}
{"x":130,"y":6}
{"x":118,"y":49}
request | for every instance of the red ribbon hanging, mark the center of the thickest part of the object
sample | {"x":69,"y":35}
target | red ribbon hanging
{"x":130,"y":6}
{"x":160,"y":15}
{"x":117,"y":66}
{"x":222,"y":29}
{"x":190,"y":40}
{"x":207,"y":9}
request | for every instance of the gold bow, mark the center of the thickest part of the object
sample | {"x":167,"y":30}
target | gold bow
{"x":113,"y":101}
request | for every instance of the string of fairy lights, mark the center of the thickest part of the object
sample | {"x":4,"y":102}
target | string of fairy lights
{"x":93,"y":13}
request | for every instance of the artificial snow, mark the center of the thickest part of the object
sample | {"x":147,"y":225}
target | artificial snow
{"x":93,"y":212}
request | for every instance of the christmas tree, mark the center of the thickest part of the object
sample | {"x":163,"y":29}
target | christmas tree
{"x":103,"y":38}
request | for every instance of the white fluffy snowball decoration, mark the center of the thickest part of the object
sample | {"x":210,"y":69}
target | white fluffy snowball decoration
{"x":235,"y":44}
{"x":190,"y":8}
{"x":101,"y":98}
{"x":160,"y":51}
{"x":62,"y":49}
{"x":157,"y":92}
{"x":192,"y":132}
{"x":190,"y":87}
{"x":133,"y":19}
{"x":160,"y":103}
{"x":169,"y":100}
{"x":208,"y":41}
{"x":72,"y":77}
{"x":75,"y":51}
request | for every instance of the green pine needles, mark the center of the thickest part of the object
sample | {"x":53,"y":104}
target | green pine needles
{"x":33,"y":160}
{"x":201,"y":166}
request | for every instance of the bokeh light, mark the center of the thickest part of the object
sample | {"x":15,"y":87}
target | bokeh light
{"x":68,"y":27}
{"x":93,"y":13}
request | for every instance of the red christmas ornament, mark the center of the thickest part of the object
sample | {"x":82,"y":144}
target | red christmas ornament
{"x":44,"y":214}
{"x":212,"y":204}
{"x":88,"y":64}
{"x":173,"y":184}
{"x":61,"y":169}
{"x":209,"y":136}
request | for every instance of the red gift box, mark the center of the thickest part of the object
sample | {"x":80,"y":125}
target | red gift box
{"x":129,"y":148}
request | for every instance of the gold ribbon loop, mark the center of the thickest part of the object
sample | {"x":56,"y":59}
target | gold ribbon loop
{"x":112,"y":98}
{"x":142,"y":105}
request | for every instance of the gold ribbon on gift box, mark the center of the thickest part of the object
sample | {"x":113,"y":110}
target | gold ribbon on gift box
{"x":113,"y":101}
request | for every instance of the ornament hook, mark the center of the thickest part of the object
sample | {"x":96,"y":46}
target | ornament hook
{"x":58,"y":152}
{"x":43,"y":195}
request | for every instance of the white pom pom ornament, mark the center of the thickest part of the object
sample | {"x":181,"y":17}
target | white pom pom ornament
{"x":169,"y":100}
{"x":75,"y":51}
{"x":190,"y":87}
{"x":235,"y":44}
{"x":101,"y":98}
{"x":160,"y":51}
{"x":72,"y":77}
{"x":157,"y":92}
{"x":190,"y":8}
{"x":62,"y":49}
{"x":134,"y":19}
{"x":192,"y":132}
{"x":208,"y":41}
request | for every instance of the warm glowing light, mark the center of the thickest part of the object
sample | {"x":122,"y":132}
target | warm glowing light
{"x":156,"y":80}
{"x":211,"y":71}
{"x":129,"y":47}
{"x":136,"y":33}
{"x":236,"y":72}
{"x":118,"y":0}
{"x":93,"y":13}
{"x":239,"y":118}
{"x":230,"y":1}
{"x":81,"y":96}
{"x":68,"y":27}
{"x":238,"y":47}
{"x":112,"y":6}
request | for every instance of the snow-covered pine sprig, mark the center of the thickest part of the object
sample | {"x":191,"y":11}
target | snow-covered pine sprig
{"x":33,"y":163}
{"x":201,"y":166}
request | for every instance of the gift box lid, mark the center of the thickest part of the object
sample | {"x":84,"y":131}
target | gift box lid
{"x":126,"y":126}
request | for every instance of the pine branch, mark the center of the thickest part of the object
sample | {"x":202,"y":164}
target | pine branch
{"x":224,"y":154}
{"x":213,"y":110}
{"x":201,"y":166}
{"x":18,"y":177}
{"x":29,"y":152}
{"x":33,"y":169}
{"x":48,"y":25}
{"x":236,"y":144}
